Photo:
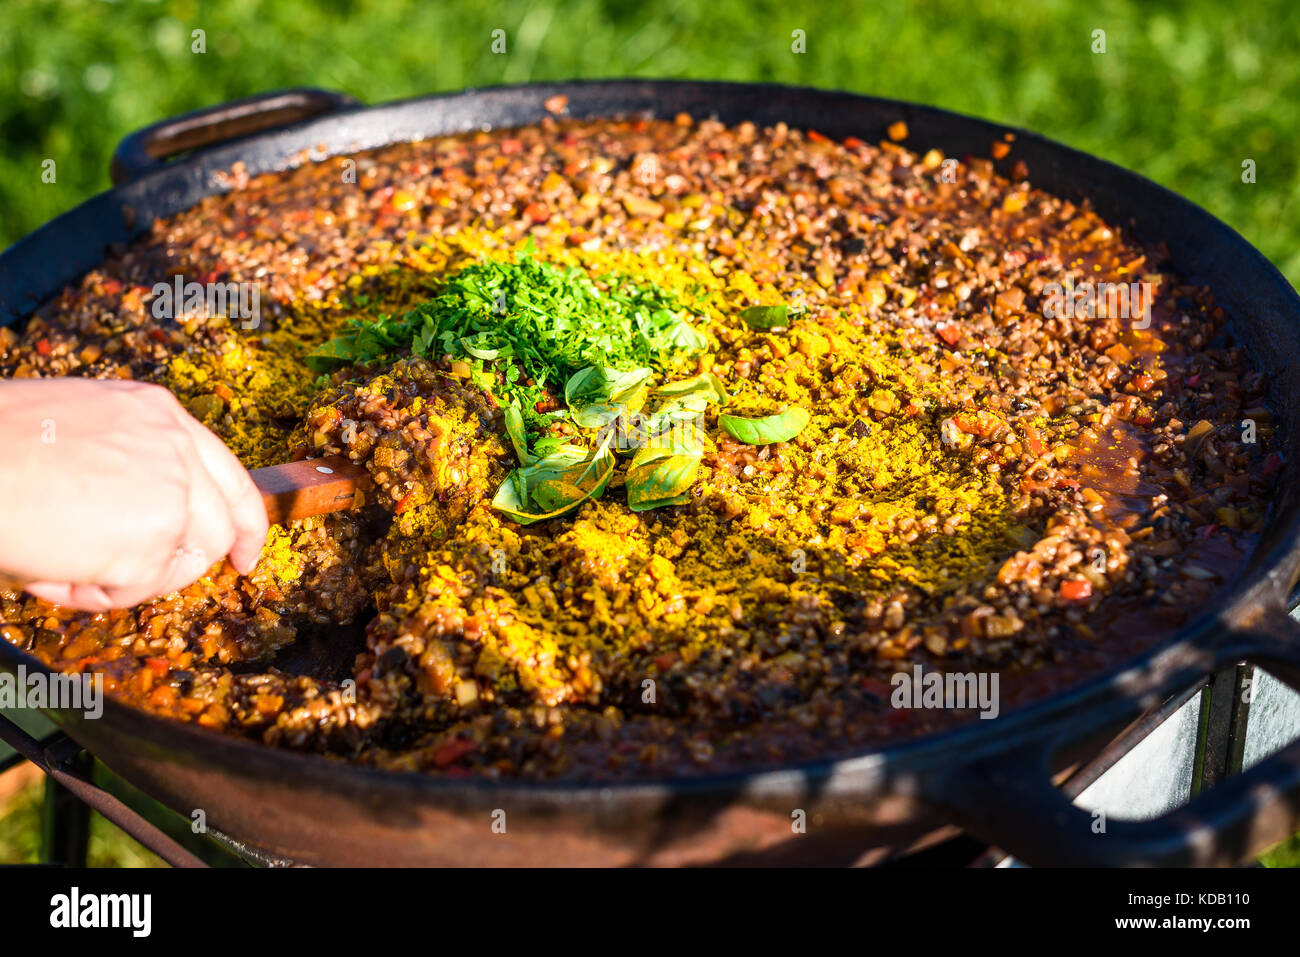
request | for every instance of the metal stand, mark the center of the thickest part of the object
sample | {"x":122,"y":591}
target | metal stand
{"x":71,"y":795}
{"x":71,"y":790}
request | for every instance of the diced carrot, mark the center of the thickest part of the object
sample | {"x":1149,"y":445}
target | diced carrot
{"x":1033,"y":441}
{"x":403,"y":201}
{"x":164,"y":696}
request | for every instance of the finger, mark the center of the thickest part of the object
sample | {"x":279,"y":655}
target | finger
{"x":83,"y":597}
{"x":247,"y":511}
{"x":208,"y":536}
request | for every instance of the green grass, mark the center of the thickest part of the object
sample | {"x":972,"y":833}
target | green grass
{"x":1183,"y":94}
{"x":20,"y":835}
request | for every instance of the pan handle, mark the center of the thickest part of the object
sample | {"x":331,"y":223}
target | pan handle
{"x":1009,"y":800}
{"x":145,"y":150}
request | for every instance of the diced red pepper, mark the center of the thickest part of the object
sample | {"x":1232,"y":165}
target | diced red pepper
{"x":1076,"y":589}
{"x":951,"y":333}
{"x":452,"y":751}
{"x":1272,"y":464}
{"x":43,"y":346}
{"x":1194,"y":380}
{"x":157,"y":335}
{"x":1143,"y":382}
{"x":512,"y":146}
{"x":159,"y":666}
{"x":853,"y":143}
{"x":406,"y":502}
{"x":537,"y":212}
{"x":816,"y":137}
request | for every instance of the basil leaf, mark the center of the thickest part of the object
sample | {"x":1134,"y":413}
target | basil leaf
{"x":598,"y":385}
{"x":556,"y":484}
{"x":660,"y":476}
{"x":596,"y":415}
{"x":705,"y":384}
{"x":665,"y":331}
{"x":562,"y":459}
{"x":766,"y":317}
{"x":328,"y":356}
{"x":518,"y":436}
{"x":781,"y":427}
{"x":546,"y":444}
{"x":553,"y":494}
{"x":688,"y":398}
{"x":478,"y":351}
{"x":584,"y":386}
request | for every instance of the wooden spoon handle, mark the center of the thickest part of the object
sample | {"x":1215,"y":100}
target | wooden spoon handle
{"x":311,"y":487}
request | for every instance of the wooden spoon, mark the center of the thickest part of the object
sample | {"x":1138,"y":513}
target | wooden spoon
{"x":311,"y":487}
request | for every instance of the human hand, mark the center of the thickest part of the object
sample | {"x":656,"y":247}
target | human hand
{"x":113,"y":494}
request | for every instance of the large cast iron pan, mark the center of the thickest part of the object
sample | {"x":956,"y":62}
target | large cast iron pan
{"x":993,"y":777}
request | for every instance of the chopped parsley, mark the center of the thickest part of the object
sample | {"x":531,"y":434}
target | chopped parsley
{"x":525,"y":326}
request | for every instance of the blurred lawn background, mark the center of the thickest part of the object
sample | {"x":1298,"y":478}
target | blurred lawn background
{"x":1183,"y":94}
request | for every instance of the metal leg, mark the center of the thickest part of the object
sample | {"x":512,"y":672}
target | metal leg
{"x":64,"y":838}
{"x":1225,"y":711}
{"x":65,"y":821}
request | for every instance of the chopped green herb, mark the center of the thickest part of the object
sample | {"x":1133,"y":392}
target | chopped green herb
{"x":527,"y":326}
